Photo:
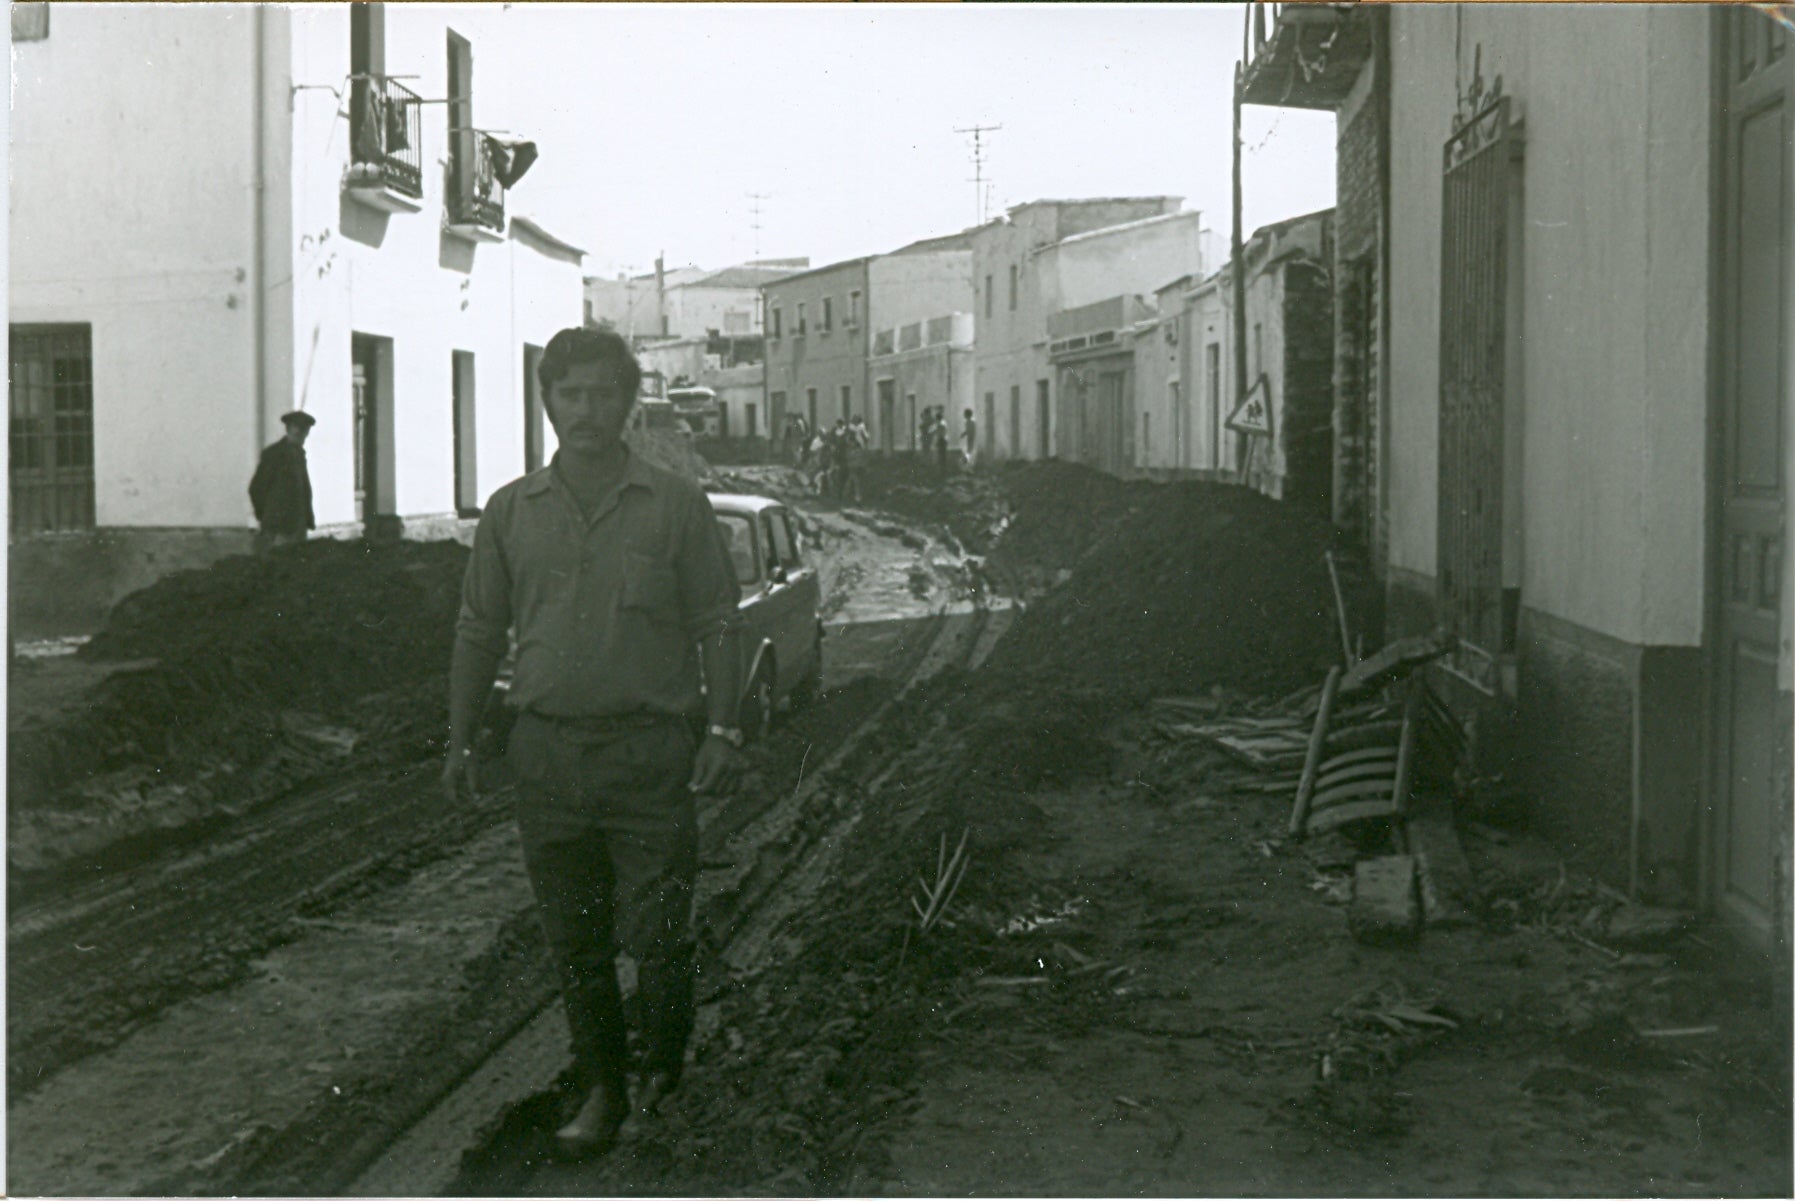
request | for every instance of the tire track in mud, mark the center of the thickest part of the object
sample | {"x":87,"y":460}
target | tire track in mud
{"x":761,"y":867}
{"x":89,"y":964}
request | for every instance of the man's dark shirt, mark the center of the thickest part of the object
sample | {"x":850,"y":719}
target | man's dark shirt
{"x":281,"y":490}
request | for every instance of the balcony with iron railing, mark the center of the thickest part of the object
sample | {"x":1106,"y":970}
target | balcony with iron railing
{"x":476,"y":199}
{"x":1303,"y":55}
{"x":386,"y":165}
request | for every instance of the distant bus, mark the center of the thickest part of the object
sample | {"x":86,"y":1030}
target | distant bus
{"x":653,"y":413}
{"x":698,"y":405}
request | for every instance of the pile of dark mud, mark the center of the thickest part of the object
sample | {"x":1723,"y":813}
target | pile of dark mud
{"x":1166,"y":588}
{"x":1135,"y":587}
{"x":231,"y":666}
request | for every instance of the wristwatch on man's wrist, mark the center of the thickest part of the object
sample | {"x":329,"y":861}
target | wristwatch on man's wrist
{"x":730,"y":734}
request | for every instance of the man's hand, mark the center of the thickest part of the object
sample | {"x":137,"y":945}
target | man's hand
{"x":458,"y":769}
{"x":717,"y":766}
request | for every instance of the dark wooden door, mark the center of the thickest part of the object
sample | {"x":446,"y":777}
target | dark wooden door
{"x":365,"y":450}
{"x":888,"y":415}
{"x":1753,"y":315}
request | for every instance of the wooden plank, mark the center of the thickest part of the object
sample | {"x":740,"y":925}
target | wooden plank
{"x":1405,"y":750}
{"x":1394,"y":661}
{"x":1384,"y":772}
{"x":1352,"y":811}
{"x":1448,"y":887}
{"x":1299,"y":814}
{"x":1372,"y":754}
{"x":1353,"y":791}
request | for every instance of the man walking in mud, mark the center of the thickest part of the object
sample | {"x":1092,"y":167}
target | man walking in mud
{"x":280,"y":492}
{"x":623,"y":599}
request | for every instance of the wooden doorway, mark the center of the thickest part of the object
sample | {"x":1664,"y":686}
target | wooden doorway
{"x":535,"y":436}
{"x":1750,"y":744}
{"x":888,"y":415}
{"x":371,"y":378}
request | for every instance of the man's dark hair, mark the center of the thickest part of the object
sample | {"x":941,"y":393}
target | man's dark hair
{"x":579,"y":345}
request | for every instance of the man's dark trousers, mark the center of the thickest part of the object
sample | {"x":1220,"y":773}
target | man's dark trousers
{"x":610,"y":838}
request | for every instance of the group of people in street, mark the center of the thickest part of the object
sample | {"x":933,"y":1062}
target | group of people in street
{"x":834,"y":459}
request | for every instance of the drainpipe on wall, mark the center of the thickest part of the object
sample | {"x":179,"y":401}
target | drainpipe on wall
{"x":1378,"y":453}
{"x":259,"y":224}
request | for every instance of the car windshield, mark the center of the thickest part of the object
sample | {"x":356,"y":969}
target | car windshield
{"x":738,"y":536}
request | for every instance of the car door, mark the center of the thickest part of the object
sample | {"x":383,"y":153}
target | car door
{"x":781,"y":597}
{"x":801,"y":597}
{"x":746,"y":543}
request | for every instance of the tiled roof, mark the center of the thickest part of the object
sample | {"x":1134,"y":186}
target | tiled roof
{"x":741,"y":277}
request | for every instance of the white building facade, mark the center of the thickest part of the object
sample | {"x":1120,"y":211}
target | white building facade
{"x":318,"y":227}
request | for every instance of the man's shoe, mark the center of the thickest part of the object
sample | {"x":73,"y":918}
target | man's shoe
{"x":655,"y":1089}
{"x":594,"y":1129}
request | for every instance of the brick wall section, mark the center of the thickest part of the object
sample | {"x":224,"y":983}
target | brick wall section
{"x":1355,"y":183}
{"x":1355,"y":274}
{"x":1308,"y":416}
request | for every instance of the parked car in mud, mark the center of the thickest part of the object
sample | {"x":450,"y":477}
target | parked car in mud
{"x":782,"y":629}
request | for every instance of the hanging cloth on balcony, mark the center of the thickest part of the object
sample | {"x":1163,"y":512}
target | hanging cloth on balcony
{"x":511,"y":157}
{"x":398,"y":137}
{"x":368,"y":126}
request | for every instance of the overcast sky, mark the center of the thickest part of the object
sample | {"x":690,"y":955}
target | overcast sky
{"x":845,"y":116}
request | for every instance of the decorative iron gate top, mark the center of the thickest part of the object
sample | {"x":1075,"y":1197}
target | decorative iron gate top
{"x":1481,"y":118}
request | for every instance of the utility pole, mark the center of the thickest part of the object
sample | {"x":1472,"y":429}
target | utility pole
{"x":978,"y":133}
{"x":754,"y":199}
{"x":1237,"y":269}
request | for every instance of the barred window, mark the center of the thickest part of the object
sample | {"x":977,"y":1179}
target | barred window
{"x":51,"y":436}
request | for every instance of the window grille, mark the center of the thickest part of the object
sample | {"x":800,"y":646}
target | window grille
{"x":51,"y":437}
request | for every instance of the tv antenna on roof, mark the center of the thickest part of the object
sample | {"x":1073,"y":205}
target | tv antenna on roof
{"x":978,"y":133}
{"x":754,"y":199}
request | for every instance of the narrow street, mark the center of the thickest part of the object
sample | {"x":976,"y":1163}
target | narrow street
{"x":1142,"y":985}
{"x":1049,"y":661}
{"x":256,"y":996}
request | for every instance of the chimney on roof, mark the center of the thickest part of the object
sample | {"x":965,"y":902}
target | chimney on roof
{"x":660,"y":290}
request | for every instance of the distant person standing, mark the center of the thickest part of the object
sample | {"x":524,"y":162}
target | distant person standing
{"x":854,"y":460}
{"x":941,"y":438}
{"x":797,"y":441}
{"x":969,"y":438}
{"x":816,"y":457}
{"x":836,"y":475}
{"x":281,"y":489}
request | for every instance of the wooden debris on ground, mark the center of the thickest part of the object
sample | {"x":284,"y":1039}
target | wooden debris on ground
{"x":1372,"y":743}
{"x":1647,"y":927}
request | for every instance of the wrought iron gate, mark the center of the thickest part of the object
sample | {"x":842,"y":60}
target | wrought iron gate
{"x":1473,"y":353}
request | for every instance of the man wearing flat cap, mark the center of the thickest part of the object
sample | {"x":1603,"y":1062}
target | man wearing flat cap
{"x":281,"y":489}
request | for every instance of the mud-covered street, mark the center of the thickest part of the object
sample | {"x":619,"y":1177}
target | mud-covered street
{"x":252,"y":951}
